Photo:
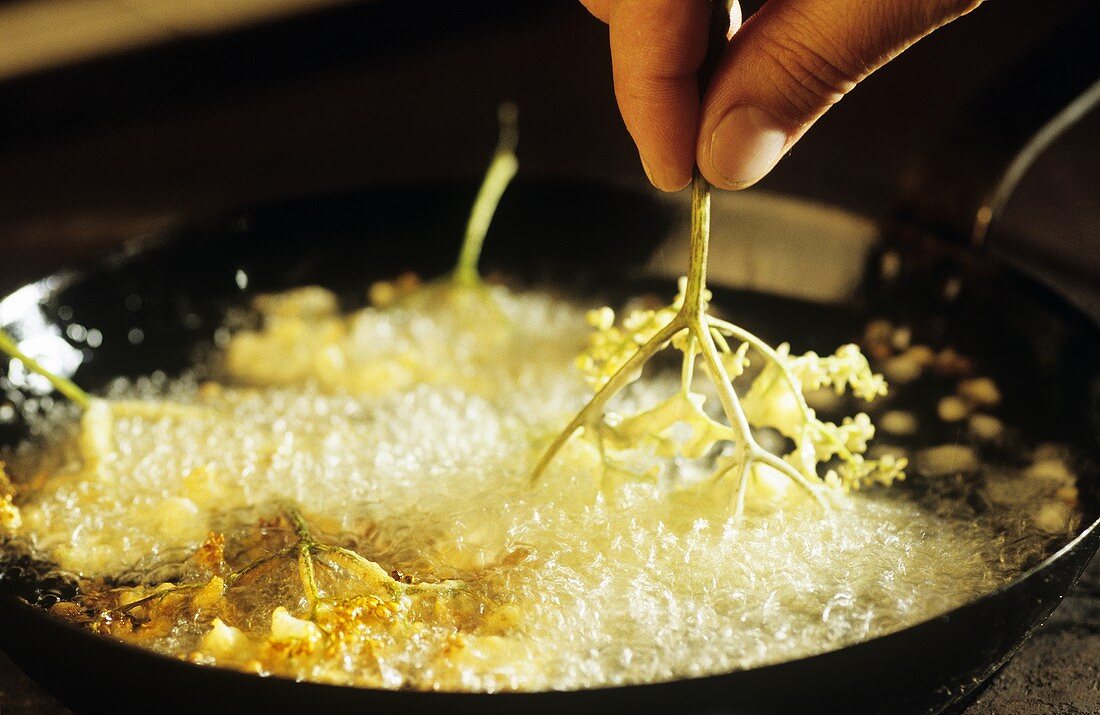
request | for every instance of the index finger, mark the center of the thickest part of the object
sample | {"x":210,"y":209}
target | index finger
{"x":656,"y":48}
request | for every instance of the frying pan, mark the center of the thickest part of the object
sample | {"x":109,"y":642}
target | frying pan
{"x":185,"y":284}
{"x":586,"y":239}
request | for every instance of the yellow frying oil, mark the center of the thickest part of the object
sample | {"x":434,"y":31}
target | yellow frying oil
{"x":409,"y":434}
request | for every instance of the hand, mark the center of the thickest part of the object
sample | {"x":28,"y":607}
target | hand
{"x":780,"y":71}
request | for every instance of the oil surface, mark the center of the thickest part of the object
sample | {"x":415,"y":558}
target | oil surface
{"x":407,"y":435}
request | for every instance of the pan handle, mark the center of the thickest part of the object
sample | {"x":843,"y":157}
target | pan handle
{"x":960,"y":188}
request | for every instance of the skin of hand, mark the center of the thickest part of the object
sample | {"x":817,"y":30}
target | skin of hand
{"x":780,"y":71}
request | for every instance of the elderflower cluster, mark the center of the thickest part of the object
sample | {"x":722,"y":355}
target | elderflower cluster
{"x":771,"y":401}
{"x":847,"y":367}
{"x":611,"y":346}
{"x":825,"y":453}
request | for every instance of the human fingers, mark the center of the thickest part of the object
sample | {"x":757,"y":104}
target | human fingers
{"x":789,"y":63}
{"x":656,"y":48}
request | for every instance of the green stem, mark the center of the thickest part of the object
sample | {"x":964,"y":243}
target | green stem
{"x":502,"y":169}
{"x":700,"y":244}
{"x":612,"y":387}
{"x":65,"y":387}
{"x":236,"y":576}
{"x":308,"y":576}
{"x":742,"y":488}
{"x":700,"y":324}
{"x":778,"y":464}
{"x":704,"y":336}
{"x":305,"y":547}
{"x":687,"y":369}
{"x":735,"y":414}
{"x":792,"y":382}
{"x":301,"y":529}
{"x":719,"y":340}
{"x":156,"y":596}
{"x":768,"y":352}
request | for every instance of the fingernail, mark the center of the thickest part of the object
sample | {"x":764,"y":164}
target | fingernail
{"x":745,"y":145}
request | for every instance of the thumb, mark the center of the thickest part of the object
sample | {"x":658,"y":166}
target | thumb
{"x":789,"y":63}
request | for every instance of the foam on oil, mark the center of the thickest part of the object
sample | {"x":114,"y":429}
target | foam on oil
{"x":429,"y":476}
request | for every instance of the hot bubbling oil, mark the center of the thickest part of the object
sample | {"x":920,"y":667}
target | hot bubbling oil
{"x":407,"y":435}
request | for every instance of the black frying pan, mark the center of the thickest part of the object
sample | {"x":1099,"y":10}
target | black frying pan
{"x":1044,"y":353}
{"x":579,"y":237}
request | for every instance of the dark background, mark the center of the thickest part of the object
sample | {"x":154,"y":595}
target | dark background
{"x":370,"y":93}
{"x":383,"y":92}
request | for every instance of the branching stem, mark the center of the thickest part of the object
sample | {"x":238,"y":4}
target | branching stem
{"x":705,"y":337}
{"x":618,"y":381}
{"x":305,"y":550}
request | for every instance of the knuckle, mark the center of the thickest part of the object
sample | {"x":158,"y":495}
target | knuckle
{"x":810,"y":74}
